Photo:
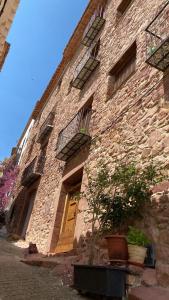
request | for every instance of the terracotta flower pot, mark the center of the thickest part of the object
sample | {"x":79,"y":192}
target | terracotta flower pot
{"x":117,"y":248}
{"x":137,"y":254}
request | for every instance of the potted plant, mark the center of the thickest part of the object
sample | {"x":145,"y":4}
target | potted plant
{"x":99,"y":280}
{"x":131,"y":188}
{"x":137,"y":242}
{"x":113,"y":216}
{"x":151,"y":50}
{"x":96,"y":189}
{"x":83,"y":130}
{"x":114,"y":199}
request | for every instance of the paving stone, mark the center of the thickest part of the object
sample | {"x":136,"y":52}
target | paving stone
{"x":19,"y":281}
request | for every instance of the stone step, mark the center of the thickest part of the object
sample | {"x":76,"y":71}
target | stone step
{"x":39,"y":261}
{"x":150,"y":293}
{"x":60,"y":266}
{"x":48,"y":261}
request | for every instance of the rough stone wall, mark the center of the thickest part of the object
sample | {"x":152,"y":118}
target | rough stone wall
{"x":156,"y":224}
{"x":134,"y":121}
{"x":6,"y":20}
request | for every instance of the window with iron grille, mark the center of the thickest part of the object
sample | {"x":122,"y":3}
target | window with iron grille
{"x":123,"y":69}
{"x":86,"y":66}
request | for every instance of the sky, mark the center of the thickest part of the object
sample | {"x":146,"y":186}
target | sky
{"x":38,"y":36}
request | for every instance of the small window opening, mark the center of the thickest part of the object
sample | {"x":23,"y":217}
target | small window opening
{"x":122,"y":70}
{"x":96,"y":49}
{"x":124,"y":5}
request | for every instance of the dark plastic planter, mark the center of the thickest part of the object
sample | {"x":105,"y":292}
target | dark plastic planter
{"x":99,"y":280}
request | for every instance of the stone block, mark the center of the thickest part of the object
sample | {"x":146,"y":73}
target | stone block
{"x":152,"y":293}
{"x":149,"y":277}
{"x":162,"y":273}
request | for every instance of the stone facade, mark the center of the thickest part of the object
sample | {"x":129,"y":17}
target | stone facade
{"x":7,"y":12}
{"x":133,"y":120}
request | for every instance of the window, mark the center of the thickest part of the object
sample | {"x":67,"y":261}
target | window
{"x":69,"y":87}
{"x":59,"y":83}
{"x":96,"y":49}
{"x":58,"y":86}
{"x":123,"y":7}
{"x":42,"y":159}
{"x":30,"y":148}
{"x":123,"y":69}
{"x":86,"y":113}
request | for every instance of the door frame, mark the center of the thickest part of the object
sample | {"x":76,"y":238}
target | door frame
{"x":59,"y":245}
{"x":69,"y":190}
{"x":59,"y":193}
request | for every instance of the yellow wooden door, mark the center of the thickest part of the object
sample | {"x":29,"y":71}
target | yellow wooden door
{"x":66,"y":238}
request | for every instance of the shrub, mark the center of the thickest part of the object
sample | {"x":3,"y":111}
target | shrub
{"x":137,"y":237}
{"x":131,"y":190}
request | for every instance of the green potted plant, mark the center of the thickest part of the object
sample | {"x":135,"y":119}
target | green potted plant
{"x":114,"y":199}
{"x":83,"y":130}
{"x":93,"y":194}
{"x":137,"y":242}
{"x":98,"y":187}
{"x":113,"y":217}
{"x":151,"y":50}
{"x":131,"y":190}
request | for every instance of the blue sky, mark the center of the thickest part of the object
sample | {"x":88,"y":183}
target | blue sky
{"x":40,"y":31}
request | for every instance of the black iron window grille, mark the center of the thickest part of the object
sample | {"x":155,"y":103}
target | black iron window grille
{"x":74,"y":135}
{"x":46,"y":127}
{"x":94,"y":26}
{"x":158,"y":40}
{"x":31,"y":173}
{"x":86,"y":66}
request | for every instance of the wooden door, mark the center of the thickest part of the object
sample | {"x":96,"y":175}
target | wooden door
{"x":66,"y":237}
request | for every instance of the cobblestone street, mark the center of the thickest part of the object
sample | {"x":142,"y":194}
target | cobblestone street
{"x":21,"y":282}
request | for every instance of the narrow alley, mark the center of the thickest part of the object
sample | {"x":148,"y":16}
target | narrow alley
{"x":21,"y":282}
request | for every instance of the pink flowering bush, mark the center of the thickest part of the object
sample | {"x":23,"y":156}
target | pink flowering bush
{"x":9,"y":172}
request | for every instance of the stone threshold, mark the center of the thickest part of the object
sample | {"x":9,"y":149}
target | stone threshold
{"x":41,"y":260}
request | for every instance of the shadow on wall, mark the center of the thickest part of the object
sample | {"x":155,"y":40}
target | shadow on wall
{"x":156,"y":226}
{"x":83,"y":248}
{"x":15,"y":212}
{"x":21,"y":211}
{"x":166,"y":86}
{"x":2,"y":220}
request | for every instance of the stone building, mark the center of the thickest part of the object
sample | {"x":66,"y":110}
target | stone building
{"x":112,"y":83}
{"x":7,"y":12}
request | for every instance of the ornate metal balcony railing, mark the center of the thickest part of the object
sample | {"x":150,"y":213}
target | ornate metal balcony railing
{"x":46,"y":127}
{"x":31,"y":173}
{"x":74,"y":135}
{"x":94,"y":26}
{"x":86,"y":66}
{"x":158,"y":40}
